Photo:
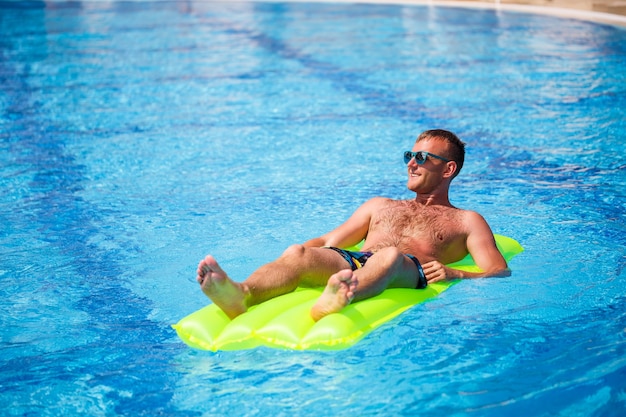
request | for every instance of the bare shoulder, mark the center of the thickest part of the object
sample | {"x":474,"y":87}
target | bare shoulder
{"x":471,"y":217}
{"x":377,"y":203}
{"x":381,"y":200}
{"x":369,"y":209}
{"x":475,"y":224}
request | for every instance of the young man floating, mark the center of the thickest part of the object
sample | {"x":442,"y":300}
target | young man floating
{"x":407,"y":243}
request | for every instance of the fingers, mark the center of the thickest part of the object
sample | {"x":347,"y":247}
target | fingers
{"x":434,"y":271}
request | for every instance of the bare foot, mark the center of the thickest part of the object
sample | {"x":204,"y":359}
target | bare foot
{"x":227,"y":294}
{"x":338,"y":293}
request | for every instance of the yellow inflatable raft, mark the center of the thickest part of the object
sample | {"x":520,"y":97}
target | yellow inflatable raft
{"x":284,"y":322}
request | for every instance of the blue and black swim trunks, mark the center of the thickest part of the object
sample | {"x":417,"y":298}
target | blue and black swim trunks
{"x":358,"y":259}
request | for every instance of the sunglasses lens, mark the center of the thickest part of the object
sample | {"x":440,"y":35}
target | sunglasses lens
{"x":420,"y":157}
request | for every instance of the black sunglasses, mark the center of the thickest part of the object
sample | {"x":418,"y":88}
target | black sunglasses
{"x":420,"y":157}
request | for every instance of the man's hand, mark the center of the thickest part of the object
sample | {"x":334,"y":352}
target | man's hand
{"x":436,"y":271}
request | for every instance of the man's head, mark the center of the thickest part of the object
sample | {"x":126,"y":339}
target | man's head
{"x":454,"y":149}
{"x":436,"y":158}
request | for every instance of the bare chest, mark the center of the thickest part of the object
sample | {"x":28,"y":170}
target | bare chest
{"x":428,"y":232}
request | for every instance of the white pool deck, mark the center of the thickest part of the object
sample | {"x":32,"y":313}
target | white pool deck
{"x":605,"y":11}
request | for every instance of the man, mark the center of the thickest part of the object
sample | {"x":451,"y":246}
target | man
{"x":407,"y":243}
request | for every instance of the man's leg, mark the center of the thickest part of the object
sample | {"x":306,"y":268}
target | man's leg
{"x":387,"y":268}
{"x":298,"y":265}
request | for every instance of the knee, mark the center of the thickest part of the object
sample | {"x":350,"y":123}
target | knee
{"x":390,"y":256}
{"x":296,"y":251}
{"x":297,"y":257}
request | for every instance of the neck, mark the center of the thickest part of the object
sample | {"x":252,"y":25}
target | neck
{"x":433,"y":199}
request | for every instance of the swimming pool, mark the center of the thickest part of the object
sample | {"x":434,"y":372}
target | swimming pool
{"x":137,"y":137}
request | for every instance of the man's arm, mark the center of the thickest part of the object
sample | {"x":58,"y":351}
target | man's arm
{"x":353,"y":230}
{"x":482,"y":246}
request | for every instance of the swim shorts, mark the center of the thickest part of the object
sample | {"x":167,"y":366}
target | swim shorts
{"x":421,"y":277}
{"x":358,"y":259}
{"x":355,"y":259}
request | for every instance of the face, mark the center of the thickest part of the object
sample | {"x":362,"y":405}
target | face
{"x":426,"y":178}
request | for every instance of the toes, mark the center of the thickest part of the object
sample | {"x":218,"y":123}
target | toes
{"x":343,"y":276}
{"x":208,"y":264}
{"x":211,"y":265}
{"x":354,"y":283}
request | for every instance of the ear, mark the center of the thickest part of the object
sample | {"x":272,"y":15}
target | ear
{"x":451,"y":167}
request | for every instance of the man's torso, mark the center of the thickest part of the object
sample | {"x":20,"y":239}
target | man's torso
{"x":427,"y":232}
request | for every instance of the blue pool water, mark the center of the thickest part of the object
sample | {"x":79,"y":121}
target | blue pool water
{"x":137,"y":137}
